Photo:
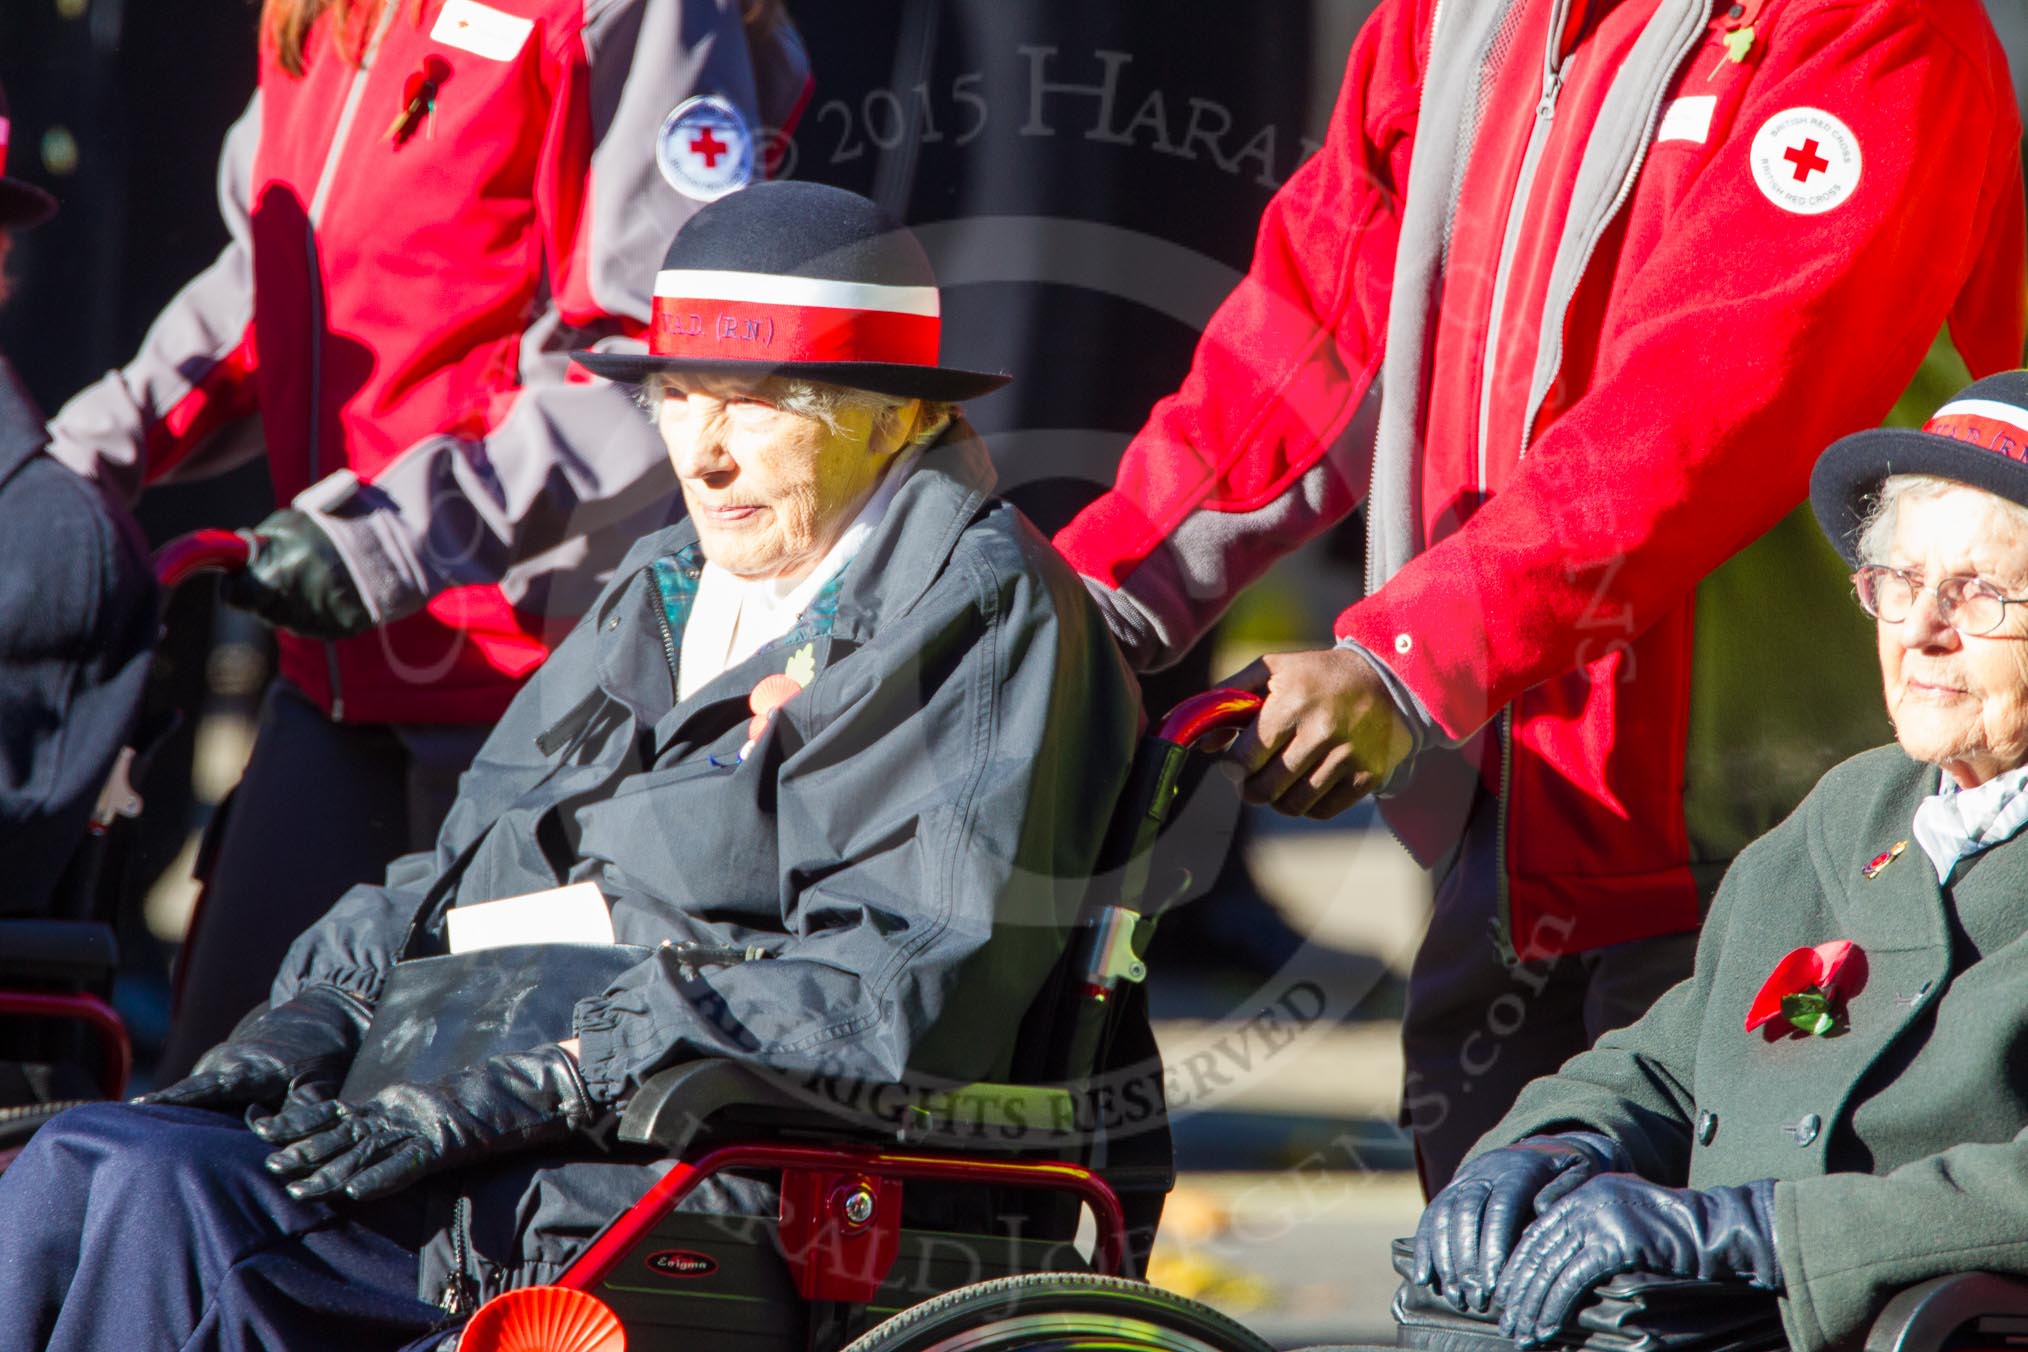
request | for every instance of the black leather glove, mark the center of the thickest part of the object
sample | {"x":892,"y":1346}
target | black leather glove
{"x":1621,"y":1223}
{"x":306,"y":1042}
{"x":408,"y":1131}
{"x":296,"y":579}
{"x":1470,"y":1227}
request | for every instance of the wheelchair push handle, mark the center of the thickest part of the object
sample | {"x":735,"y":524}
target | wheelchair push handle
{"x":201,"y":551}
{"x":1220,"y":710}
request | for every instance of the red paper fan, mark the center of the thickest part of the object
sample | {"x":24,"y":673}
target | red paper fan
{"x":772,"y":692}
{"x":544,"y":1319}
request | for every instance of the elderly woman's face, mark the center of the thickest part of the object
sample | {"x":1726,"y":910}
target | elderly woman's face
{"x":1958,"y":700}
{"x":770,"y":490}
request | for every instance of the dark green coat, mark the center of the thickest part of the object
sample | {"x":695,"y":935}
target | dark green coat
{"x":1897,"y":1144}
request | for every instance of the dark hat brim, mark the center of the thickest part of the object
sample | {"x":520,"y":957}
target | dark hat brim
{"x":24,"y":204}
{"x":941,"y":384}
{"x":1847,"y":478}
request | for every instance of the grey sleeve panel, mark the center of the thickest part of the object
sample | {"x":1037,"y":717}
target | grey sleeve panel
{"x":646,"y":57}
{"x":102,"y":432}
{"x":1178,"y":592}
{"x":568,"y":462}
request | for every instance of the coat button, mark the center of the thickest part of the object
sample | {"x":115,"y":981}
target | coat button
{"x":1403,"y":644}
{"x":1807,"y":1129}
{"x":1707,"y":1127}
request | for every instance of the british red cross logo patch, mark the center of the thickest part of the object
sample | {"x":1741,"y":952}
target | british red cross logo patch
{"x":1805,"y":161}
{"x":705,"y":148}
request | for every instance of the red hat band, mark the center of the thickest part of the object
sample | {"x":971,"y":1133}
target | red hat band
{"x":763,"y":317}
{"x":1998,"y":427}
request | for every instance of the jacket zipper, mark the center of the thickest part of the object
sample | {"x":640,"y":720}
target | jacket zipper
{"x":1508,"y":949}
{"x":668,"y":639}
{"x":354,"y":94}
{"x":457,"y":1298}
{"x":1554,"y":66}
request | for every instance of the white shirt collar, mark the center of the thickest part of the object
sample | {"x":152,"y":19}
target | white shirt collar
{"x":732,"y":618}
{"x":1955,"y":823}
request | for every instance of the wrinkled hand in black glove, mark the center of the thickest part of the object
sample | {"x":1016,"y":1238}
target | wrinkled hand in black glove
{"x":296,"y":579}
{"x":409,"y":1131}
{"x":305,"y":1042}
{"x":1621,"y":1223}
{"x":1470,"y":1227}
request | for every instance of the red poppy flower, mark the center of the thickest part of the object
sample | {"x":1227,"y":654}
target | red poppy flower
{"x":1804,"y":988}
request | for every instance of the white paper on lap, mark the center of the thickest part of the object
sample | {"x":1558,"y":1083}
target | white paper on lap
{"x":576,"y":914}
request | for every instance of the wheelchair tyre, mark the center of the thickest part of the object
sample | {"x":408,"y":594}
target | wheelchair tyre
{"x":19,"y":1123}
{"x":1060,"y":1311}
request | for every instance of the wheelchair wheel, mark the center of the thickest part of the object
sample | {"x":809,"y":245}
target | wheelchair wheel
{"x":19,"y":1123}
{"x":1060,"y":1312}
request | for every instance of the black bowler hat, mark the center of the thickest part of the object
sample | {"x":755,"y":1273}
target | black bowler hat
{"x":1979,"y":438}
{"x":798,"y":279}
{"x":21,"y":204}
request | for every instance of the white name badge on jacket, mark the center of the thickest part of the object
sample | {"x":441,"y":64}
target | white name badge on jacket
{"x":576,"y":914}
{"x":482,"y":30}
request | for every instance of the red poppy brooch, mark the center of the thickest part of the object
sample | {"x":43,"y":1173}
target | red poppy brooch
{"x":1805,"y":988}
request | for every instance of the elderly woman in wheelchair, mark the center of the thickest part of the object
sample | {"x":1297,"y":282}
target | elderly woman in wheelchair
{"x":833,"y":758}
{"x":1828,"y":1109}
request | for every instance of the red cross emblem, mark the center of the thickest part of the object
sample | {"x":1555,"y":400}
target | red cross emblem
{"x":708,"y":148}
{"x":1806,"y":160}
{"x":705,"y":148}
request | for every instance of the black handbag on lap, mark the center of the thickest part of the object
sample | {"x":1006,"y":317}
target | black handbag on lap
{"x":1633,"y":1312}
{"x":441,"y":1014}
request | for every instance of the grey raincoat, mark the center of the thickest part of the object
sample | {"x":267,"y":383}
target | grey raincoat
{"x":909,"y":839}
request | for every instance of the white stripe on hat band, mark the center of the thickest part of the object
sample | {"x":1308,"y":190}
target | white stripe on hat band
{"x":2010,"y":414}
{"x":767,"y":288}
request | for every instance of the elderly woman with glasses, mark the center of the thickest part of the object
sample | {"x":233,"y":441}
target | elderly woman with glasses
{"x":1831,"y":1107}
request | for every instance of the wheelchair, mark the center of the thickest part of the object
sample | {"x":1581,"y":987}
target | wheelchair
{"x":1083,"y":1131}
{"x":61,"y":1041}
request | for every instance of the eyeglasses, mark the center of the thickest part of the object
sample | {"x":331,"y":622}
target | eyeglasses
{"x":1969,"y":605}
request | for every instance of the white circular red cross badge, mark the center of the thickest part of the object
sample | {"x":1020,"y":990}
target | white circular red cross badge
{"x":1805,"y":161}
{"x":705,"y":148}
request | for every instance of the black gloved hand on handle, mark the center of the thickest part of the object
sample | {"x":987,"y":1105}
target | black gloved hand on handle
{"x":1621,"y":1223}
{"x":296,"y":579}
{"x":302,"y":1043}
{"x":1469,"y":1228}
{"x":408,"y":1131}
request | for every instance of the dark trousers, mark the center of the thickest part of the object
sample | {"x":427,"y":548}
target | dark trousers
{"x":130,"y":1228}
{"x":322,"y":806}
{"x":1477,"y":1028}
